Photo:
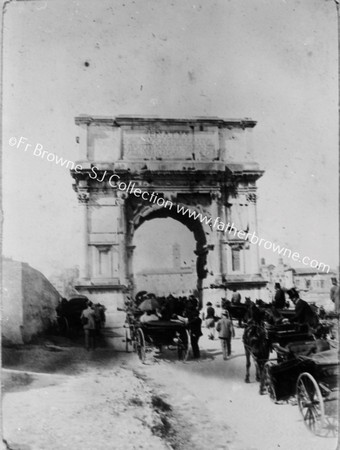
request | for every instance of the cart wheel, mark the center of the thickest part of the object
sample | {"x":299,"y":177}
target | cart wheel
{"x":269,"y":384}
{"x":331,"y":427}
{"x":183,"y":347}
{"x":133,"y":339}
{"x":140,"y":345}
{"x":310,"y":402}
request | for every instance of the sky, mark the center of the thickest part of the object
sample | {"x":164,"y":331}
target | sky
{"x":274,"y":61}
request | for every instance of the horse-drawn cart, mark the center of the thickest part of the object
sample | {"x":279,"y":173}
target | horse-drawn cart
{"x":237,"y":312}
{"x":286,"y":333}
{"x":68,"y":314}
{"x":142,"y":337}
{"x":312,"y":376}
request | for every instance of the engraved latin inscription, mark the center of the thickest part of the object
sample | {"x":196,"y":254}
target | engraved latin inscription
{"x":160,"y":144}
{"x":157,"y":145}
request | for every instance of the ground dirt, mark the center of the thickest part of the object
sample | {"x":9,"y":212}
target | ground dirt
{"x":56,"y":395}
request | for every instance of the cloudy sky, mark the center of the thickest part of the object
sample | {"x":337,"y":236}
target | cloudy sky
{"x":272,"y":60}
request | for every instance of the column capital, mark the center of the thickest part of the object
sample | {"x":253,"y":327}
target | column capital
{"x":83,"y":195}
{"x":251,"y":197}
{"x":215,"y":195}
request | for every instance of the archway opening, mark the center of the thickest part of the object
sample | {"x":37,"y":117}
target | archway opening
{"x":164,"y":260}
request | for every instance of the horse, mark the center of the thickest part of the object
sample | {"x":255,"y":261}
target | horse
{"x":256,"y":345}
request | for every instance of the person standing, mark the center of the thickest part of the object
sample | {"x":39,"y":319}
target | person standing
{"x":226,"y":332}
{"x":88,"y":320}
{"x":279,"y":297}
{"x":210,"y":320}
{"x":99,"y":316}
{"x":195,"y":323}
{"x":304,"y":314}
{"x":334,"y":295}
{"x":236,"y":297}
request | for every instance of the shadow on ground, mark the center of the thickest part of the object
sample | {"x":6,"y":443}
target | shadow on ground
{"x":61,"y":354}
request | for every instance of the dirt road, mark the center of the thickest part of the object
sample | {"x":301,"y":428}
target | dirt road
{"x":110,"y":400}
{"x":227,"y":412}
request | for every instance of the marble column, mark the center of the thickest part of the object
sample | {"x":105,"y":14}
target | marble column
{"x":121,"y":197}
{"x":83,"y":197}
{"x":130,"y":275}
{"x":253,"y":260}
{"x":217,"y":258}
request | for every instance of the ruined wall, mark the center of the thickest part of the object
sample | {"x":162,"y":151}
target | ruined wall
{"x":12,"y":300}
{"x":29,"y":302}
{"x":40,"y":299}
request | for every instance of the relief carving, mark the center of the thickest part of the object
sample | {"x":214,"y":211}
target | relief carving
{"x":251,"y":197}
{"x":83,"y":195}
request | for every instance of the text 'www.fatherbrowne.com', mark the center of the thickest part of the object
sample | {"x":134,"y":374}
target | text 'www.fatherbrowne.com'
{"x":113,"y":180}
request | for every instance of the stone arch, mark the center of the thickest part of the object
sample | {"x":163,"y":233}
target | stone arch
{"x":204,"y":163}
{"x":149,"y":212}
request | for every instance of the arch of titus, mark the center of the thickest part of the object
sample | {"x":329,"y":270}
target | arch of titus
{"x":133,"y":169}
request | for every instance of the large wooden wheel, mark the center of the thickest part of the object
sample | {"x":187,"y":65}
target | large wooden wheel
{"x":310,"y":402}
{"x":268,"y":381}
{"x":140,"y":345}
{"x":183,"y":347}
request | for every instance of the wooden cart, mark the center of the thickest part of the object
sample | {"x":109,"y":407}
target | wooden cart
{"x":311,"y":376}
{"x":142,"y":337}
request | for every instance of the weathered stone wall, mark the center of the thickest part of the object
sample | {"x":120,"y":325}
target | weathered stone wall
{"x":12,"y":300}
{"x":40,"y":299}
{"x":29,"y":302}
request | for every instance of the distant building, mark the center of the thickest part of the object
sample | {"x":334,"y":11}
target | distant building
{"x":28,"y":303}
{"x":313,"y":284}
{"x":274,"y":274}
{"x":306,"y":279}
{"x":176,"y":280}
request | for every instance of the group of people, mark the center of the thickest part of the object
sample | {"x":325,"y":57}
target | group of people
{"x":182,"y":309}
{"x":187,"y":310}
{"x":305,"y":314}
{"x":92,"y":319}
{"x":223,"y":325}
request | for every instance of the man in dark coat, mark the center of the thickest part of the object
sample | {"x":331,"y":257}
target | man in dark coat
{"x":195,"y":323}
{"x":279,"y":298}
{"x":334,"y":295}
{"x":304,"y":314}
{"x":236,"y":297}
{"x":210,"y":320}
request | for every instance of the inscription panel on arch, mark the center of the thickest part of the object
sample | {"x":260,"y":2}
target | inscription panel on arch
{"x":139,"y":144}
